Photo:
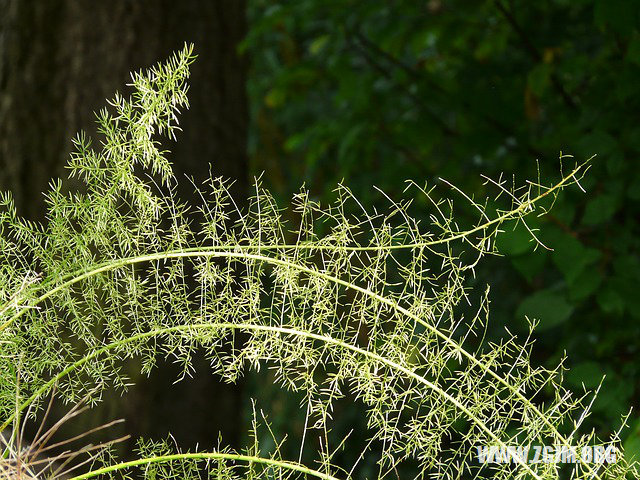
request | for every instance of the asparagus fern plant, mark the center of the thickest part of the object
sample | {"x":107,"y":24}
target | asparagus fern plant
{"x":336,"y":303}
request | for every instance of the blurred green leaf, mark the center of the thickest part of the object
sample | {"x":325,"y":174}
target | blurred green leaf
{"x":349,"y":141}
{"x":515,"y":240}
{"x":588,"y":374}
{"x":531,"y":265}
{"x":572,"y":257}
{"x":275,"y":97}
{"x":600,"y":209}
{"x":539,"y":78}
{"x":610,"y":301}
{"x":633,"y":50}
{"x":318,"y":44}
{"x":548,"y":306}
{"x":585,"y":284}
{"x":613,"y":398}
{"x":632,"y":443}
{"x":634,"y":189}
{"x":295,"y":141}
{"x":598,"y":142}
{"x":619,"y":15}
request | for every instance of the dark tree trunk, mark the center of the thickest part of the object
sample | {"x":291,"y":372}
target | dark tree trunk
{"x":59,"y":61}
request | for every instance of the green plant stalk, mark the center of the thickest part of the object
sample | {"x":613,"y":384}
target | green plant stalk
{"x":272,"y":329}
{"x":206,"y":456}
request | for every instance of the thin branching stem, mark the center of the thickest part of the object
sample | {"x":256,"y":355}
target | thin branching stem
{"x":75,"y":277}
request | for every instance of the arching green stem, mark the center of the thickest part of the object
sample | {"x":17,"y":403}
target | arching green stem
{"x":278,"y":330}
{"x":233,"y":457}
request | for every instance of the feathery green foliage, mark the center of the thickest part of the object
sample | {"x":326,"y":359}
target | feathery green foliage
{"x":336,"y":304}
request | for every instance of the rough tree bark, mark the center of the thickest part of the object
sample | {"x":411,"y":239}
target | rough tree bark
{"x":59,"y":61}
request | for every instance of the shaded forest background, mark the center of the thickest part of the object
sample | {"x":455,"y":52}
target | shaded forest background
{"x":369,"y":93}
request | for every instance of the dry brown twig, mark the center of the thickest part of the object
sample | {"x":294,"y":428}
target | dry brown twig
{"x":42,"y":459}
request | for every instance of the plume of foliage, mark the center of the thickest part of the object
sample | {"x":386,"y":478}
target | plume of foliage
{"x":335,"y":303}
